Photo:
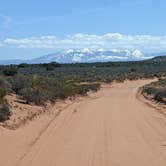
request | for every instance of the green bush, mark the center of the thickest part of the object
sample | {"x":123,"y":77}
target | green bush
{"x":2,"y":92}
{"x":161,"y":96}
{"x":4,"y":84}
{"x":50,"y":68}
{"x":4,"y":112}
{"x":38,"y":89}
{"x":23,"y":65}
{"x":10,"y":71}
{"x":157,"y":90}
{"x":19,"y":82}
{"x":133,"y":70}
{"x":33,"y":96}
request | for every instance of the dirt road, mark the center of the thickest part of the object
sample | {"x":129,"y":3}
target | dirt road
{"x":110,"y":128}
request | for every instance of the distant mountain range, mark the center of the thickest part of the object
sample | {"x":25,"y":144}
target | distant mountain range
{"x":86,"y":55}
{"x":159,"y":59}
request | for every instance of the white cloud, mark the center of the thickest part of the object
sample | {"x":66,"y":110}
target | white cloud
{"x":110,"y":41}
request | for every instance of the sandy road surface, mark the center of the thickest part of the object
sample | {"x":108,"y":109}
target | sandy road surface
{"x":112,"y":129}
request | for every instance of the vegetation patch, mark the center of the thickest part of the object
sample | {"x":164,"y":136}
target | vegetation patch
{"x":4,"y":109}
{"x":157,"y":90}
{"x":38,"y":83}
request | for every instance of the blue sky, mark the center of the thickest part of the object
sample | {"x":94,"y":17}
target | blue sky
{"x":30,"y":28}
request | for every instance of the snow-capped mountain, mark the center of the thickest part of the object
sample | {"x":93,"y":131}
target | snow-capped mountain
{"x":87,"y":55}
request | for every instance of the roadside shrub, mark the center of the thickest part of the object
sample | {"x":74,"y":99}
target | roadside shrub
{"x":150,"y":90}
{"x":4,"y":112}
{"x":161,"y":96}
{"x":4,"y":84}
{"x":33,"y":96}
{"x":20,"y":82}
{"x":157,"y":90}
{"x":2,"y":93}
{"x":42,"y":89}
{"x":4,"y":109}
{"x":86,"y":88}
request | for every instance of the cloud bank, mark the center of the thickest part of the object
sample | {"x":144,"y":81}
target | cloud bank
{"x":109,"y":41}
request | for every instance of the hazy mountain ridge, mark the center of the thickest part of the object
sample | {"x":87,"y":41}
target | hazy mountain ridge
{"x":86,"y":55}
{"x":159,"y":59}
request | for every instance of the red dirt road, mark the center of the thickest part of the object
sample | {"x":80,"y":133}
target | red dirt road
{"x":112,"y":128}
